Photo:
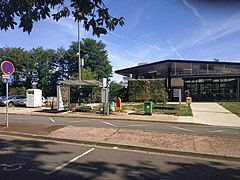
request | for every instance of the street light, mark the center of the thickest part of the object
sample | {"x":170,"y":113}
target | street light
{"x":79,"y":58}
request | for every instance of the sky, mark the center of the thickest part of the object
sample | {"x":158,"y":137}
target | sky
{"x":154,"y":30}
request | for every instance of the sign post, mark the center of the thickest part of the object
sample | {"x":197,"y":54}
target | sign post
{"x":7,"y":68}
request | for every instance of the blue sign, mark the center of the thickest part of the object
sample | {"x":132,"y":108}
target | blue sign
{"x":7,"y":80}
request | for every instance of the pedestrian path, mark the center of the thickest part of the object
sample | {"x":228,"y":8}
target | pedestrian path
{"x":211,"y":114}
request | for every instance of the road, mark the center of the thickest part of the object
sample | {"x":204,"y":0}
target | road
{"x":22,"y":158}
{"x":146,"y":126}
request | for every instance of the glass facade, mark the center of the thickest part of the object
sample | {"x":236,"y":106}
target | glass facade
{"x":213,"y":89}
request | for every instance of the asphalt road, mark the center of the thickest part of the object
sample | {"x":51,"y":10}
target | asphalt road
{"x":146,"y":126}
{"x":22,"y":158}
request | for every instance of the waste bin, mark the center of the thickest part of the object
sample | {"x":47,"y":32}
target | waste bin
{"x":112,"y":106}
{"x":148,"y":107}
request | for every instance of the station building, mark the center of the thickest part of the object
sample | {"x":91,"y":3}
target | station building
{"x":202,"y":80}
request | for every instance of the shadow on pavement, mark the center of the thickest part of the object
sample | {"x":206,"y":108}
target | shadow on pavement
{"x":28,"y":159}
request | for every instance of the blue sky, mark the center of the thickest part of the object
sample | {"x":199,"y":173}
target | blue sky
{"x":154,"y":30}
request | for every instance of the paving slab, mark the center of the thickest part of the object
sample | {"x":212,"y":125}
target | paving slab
{"x":211,"y":114}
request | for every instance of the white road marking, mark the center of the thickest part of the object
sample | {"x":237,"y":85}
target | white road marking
{"x":109,"y":124}
{"x":88,"y":167}
{"x":67,"y":163}
{"x":24,"y":157}
{"x":217,"y":131}
{"x":77,"y":121}
{"x":12,"y":167}
{"x":52,"y":120}
{"x":36,"y":170}
{"x":181,"y":128}
{"x":134,"y":125}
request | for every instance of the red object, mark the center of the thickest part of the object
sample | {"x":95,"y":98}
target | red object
{"x":7,"y":67}
{"x":118,"y":104}
{"x":51,"y":104}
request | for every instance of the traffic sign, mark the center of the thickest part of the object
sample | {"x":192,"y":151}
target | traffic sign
{"x":5,"y":76}
{"x":7,"y":80}
{"x":7,"y":67}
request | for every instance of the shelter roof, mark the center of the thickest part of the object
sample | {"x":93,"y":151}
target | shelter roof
{"x":80,"y":83}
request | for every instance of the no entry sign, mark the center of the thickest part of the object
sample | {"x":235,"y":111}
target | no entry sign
{"x":7,"y":67}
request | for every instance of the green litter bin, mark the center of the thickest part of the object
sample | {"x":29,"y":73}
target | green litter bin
{"x":148,"y":107}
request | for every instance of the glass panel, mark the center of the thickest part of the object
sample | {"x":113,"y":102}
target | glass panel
{"x":215,"y":92}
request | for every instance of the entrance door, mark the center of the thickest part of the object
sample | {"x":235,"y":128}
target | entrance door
{"x":205,"y":92}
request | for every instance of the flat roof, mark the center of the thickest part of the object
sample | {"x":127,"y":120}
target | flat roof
{"x":80,"y":83}
{"x":162,"y":66}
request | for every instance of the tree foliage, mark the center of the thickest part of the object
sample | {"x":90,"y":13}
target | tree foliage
{"x":45,"y":67}
{"x":92,"y":13}
{"x":95,"y":58}
{"x":117,"y":90}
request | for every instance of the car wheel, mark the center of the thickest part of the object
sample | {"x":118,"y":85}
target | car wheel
{"x":10,"y":104}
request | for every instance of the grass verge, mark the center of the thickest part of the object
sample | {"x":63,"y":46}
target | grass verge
{"x":158,"y":108}
{"x":233,"y":107}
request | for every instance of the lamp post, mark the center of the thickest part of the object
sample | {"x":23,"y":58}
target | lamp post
{"x":79,"y":57}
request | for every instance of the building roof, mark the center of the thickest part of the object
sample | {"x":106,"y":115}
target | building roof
{"x":80,"y":83}
{"x":181,"y":66}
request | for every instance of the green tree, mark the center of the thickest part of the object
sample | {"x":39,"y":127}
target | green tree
{"x":60,"y":66}
{"x":115,"y":90}
{"x":94,"y":55}
{"x":93,"y":14}
{"x":44,"y":74}
{"x":22,"y":63}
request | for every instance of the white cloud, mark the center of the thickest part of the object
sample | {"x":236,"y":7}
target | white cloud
{"x":155,"y":47}
{"x":125,"y":50}
{"x":194,"y":10}
{"x":174,"y":49}
{"x":216,"y":31}
{"x":122,"y":37}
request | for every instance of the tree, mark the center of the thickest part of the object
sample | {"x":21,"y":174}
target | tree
{"x":92,"y":13}
{"x":44,"y":70}
{"x":22,"y":63}
{"x":117,"y":90}
{"x":94,"y":55}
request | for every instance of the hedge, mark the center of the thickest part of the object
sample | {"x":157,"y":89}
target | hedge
{"x":143,"y":90}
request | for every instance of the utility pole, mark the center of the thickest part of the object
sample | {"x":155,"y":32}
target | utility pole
{"x":79,"y":55}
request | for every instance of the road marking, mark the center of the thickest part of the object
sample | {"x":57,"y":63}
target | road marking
{"x":217,"y":131}
{"x":88,"y":167}
{"x":72,"y":160}
{"x":24,"y":157}
{"x":109,"y":124}
{"x":52,"y":120}
{"x":77,"y":121}
{"x":12,"y":167}
{"x":182,"y":128}
{"x":36,"y":170}
{"x":136,"y":125}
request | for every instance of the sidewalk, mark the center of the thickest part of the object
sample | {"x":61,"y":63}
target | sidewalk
{"x":211,"y":114}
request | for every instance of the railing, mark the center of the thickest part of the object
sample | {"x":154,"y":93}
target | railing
{"x":204,"y":73}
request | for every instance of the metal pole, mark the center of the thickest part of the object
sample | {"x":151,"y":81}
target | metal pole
{"x":7,"y":103}
{"x":79,"y":64}
{"x":79,"y":57}
{"x":238,"y":86}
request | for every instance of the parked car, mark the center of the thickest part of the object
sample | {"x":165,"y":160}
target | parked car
{"x":2,"y":97}
{"x":18,"y":100}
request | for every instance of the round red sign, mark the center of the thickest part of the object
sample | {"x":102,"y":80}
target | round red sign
{"x":7,"y":67}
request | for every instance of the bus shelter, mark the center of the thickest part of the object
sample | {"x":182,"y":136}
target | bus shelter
{"x":63,"y":91}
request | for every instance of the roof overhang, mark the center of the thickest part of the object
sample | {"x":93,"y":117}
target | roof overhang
{"x":81,"y":83}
